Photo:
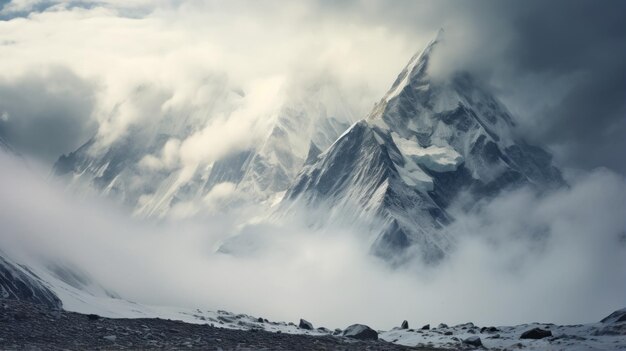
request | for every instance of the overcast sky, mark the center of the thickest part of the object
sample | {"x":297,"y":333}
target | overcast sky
{"x":67,"y":66}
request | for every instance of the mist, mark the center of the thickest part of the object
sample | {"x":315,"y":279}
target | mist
{"x":523,"y":257}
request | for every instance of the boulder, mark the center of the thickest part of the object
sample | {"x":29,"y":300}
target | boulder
{"x":405,"y":325}
{"x":536,"y":333}
{"x":361,"y":332}
{"x":473,"y":341}
{"x":426,"y":327}
{"x":93,"y":317}
{"x":489,"y":330}
{"x":305,"y":325}
{"x":442,"y":325}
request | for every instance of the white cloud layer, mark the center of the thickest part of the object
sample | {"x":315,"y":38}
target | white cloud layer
{"x":557,"y":257}
{"x":192,"y":59}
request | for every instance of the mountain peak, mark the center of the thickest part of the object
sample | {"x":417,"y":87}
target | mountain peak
{"x":425,"y":143}
{"x":414,"y":70}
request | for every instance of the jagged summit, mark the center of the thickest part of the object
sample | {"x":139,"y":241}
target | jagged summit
{"x":423,"y":144}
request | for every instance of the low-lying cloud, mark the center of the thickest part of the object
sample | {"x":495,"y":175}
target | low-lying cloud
{"x":558,"y":257}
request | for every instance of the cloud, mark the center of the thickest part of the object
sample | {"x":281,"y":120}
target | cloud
{"x":558,"y":257}
{"x":186,"y":61}
{"x":46,"y":113}
{"x":557,"y":65}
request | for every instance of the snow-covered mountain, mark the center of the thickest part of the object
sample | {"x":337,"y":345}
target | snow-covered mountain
{"x":261,"y":173}
{"x":425,"y":143}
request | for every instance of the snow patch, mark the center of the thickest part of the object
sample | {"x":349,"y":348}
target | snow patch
{"x":435,"y":158}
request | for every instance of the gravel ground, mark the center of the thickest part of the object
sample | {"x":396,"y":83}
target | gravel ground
{"x":27,"y":326}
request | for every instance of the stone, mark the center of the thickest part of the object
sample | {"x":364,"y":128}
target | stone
{"x":304,"y":324}
{"x":426,"y":327}
{"x":536,"y":333}
{"x":489,"y":330}
{"x":405,"y":325}
{"x":473,"y":341}
{"x":361,"y":332}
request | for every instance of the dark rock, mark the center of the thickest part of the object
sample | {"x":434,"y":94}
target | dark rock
{"x":405,"y":325}
{"x":473,"y":340}
{"x":260,"y":320}
{"x":489,"y":330}
{"x":442,"y":325}
{"x":426,"y":327}
{"x":337,"y":331}
{"x":447,"y":333}
{"x":93,"y":317}
{"x":20,"y":316}
{"x":305,"y":325}
{"x":536,"y":333}
{"x":471,"y":331}
{"x":497,"y":336}
{"x":361,"y":332}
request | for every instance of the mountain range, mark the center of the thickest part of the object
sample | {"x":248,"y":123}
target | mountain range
{"x":429,"y":143}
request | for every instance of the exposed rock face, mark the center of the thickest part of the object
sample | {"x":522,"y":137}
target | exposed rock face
{"x":361,"y":332}
{"x":405,"y":325}
{"x":19,"y":283}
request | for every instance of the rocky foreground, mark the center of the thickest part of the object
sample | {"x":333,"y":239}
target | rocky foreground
{"x":28,"y":326}
{"x":25,"y":325}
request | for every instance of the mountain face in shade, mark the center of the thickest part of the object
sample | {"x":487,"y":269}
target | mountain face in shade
{"x":426,"y":142}
{"x":259,"y":174}
{"x":17,"y":282}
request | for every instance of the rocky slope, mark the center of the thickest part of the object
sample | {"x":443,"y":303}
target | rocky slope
{"x":28,"y":326}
